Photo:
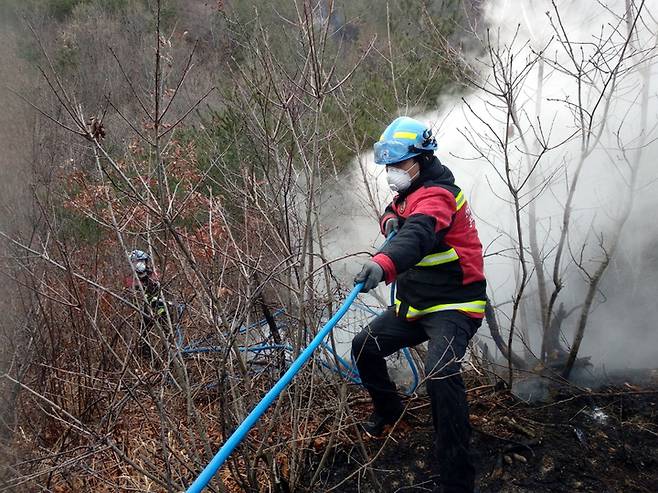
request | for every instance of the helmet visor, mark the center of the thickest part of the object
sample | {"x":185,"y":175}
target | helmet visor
{"x":392,"y":151}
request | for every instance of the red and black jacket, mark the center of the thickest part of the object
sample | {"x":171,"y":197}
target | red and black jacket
{"x":436,"y":256}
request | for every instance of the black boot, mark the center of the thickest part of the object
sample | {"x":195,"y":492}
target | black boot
{"x":376,"y":424}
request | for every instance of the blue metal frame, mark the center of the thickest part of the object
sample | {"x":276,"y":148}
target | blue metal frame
{"x":241,"y":431}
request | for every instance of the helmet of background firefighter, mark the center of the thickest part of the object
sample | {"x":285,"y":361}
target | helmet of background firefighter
{"x":140,"y":261}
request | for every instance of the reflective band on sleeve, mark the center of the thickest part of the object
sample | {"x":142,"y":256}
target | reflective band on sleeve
{"x":460,"y":199}
{"x":438,"y":258}
{"x":470,"y":306}
{"x":405,"y":135}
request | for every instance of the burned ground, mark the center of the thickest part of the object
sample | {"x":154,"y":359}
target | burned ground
{"x":599,"y":441}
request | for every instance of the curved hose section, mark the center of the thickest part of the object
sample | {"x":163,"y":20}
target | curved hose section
{"x":407,"y":353}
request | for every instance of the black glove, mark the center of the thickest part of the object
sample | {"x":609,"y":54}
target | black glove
{"x":391,"y":225}
{"x":371,"y":274}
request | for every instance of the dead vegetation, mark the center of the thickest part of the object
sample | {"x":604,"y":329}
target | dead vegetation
{"x":227,"y":186}
{"x":596,"y":440}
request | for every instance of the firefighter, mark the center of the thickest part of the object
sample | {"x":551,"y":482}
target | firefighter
{"x":436,"y":260}
{"x":143,"y":270}
{"x":144,"y":278}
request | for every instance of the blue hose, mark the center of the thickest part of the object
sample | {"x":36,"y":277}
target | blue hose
{"x":242,"y":430}
{"x":258,"y":348}
{"x":195,"y":346}
{"x":351,"y":374}
{"x":351,"y":368}
{"x":414,"y":371}
{"x":348,"y":376}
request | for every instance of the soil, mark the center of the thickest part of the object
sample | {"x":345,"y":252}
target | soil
{"x":590,"y":441}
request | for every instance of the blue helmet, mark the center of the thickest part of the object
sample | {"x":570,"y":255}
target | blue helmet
{"x":139,"y":256}
{"x":141,"y":262}
{"x":402,"y":139}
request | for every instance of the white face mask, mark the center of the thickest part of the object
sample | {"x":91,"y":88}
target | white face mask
{"x":140,"y":268}
{"x":398,"y":179}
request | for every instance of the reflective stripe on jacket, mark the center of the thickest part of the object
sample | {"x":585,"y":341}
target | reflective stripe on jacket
{"x":436,"y":256}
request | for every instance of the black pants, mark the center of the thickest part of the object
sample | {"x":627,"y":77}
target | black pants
{"x":448,"y":333}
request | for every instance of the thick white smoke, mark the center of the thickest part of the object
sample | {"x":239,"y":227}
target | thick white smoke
{"x":621,"y":332}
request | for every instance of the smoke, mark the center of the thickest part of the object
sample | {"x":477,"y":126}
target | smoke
{"x":15,"y":207}
{"x":616,"y":336}
{"x":620,"y":332}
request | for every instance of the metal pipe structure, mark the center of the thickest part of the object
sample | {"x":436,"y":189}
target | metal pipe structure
{"x":242,"y":430}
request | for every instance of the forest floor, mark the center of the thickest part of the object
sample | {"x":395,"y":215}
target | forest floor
{"x":591,"y":441}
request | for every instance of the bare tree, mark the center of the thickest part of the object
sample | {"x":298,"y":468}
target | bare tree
{"x":540,"y":164}
{"x":236,"y":236}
